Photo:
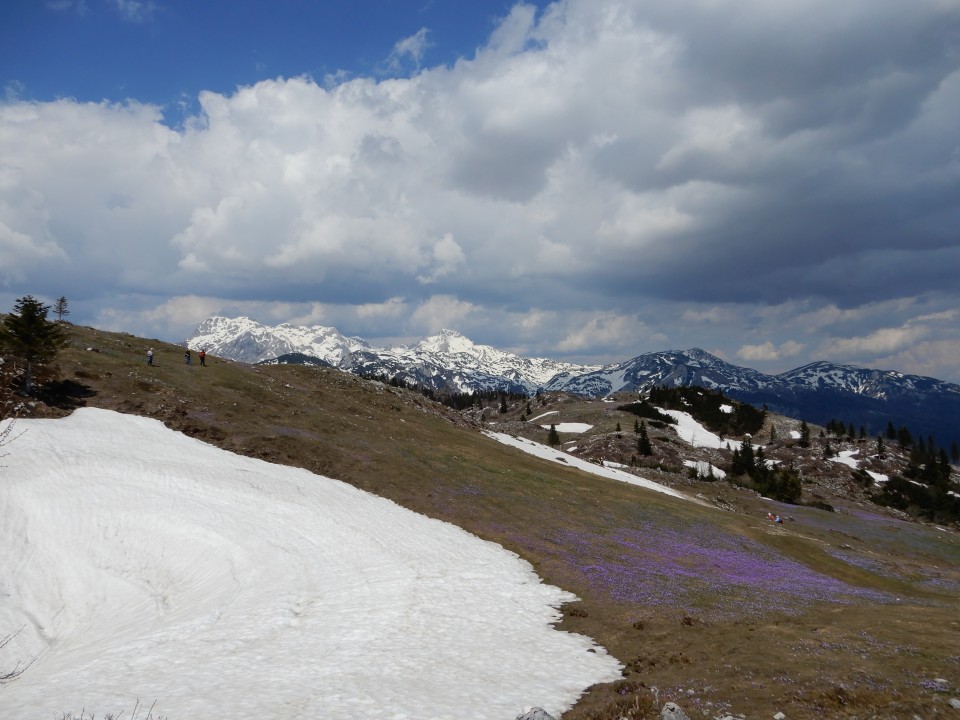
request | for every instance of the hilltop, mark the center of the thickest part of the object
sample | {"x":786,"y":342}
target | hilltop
{"x":840,"y":613}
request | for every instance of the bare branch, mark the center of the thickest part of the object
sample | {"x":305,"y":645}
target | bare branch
{"x":18,"y":670}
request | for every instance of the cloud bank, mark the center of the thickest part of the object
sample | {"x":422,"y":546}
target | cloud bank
{"x":775,"y":183}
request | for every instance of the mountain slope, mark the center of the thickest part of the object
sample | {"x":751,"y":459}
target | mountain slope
{"x":827,"y":615}
{"x":818,"y":392}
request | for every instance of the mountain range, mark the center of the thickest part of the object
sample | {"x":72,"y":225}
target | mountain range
{"x":449,"y":362}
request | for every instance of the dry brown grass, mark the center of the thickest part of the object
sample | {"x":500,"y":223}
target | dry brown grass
{"x":829,"y":615}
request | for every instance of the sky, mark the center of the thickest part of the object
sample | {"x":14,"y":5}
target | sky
{"x":146,"y":565}
{"x":585,"y":180}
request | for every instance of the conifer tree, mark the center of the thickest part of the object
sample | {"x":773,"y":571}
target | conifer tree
{"x":554,"y":437}
{"x":904,"y":437}
{"x":60,"y":307}
{"x":28,"y":335}
{"x":643,"y":442}
{"x":804,"y":435}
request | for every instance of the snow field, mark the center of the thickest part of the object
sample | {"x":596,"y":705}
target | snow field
{"x":146,"y":564}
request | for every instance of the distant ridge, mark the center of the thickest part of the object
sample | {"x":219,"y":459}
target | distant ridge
{"x":448,"y":361}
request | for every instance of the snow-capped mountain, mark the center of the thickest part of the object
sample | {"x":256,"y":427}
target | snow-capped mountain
{"x":671,"y":368}
{"x":447,"y":360}
{"x":246,"y":340}
{"x":818,"y":392}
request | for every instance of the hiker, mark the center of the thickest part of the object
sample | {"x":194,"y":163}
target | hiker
{"x":203,"y":358}
{"x":150,"y":356}
{"x":186,"y":356}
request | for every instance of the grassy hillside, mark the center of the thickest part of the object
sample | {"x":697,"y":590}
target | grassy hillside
{"x":845,"y":614}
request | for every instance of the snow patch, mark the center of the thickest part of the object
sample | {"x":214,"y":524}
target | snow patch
{"x":548,"y":453}
{"x":569,"y":427}
{"x":147,"y":564}
{"x":695,"y":434}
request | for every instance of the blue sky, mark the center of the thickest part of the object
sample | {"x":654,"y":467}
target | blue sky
{"x":776,"y":183}
{"x":167,"y":52}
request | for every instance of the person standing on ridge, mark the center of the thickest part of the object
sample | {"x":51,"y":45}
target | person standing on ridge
{"x":203,"y":358}
{"x":150,"y":356}
{"x":186,"y":356}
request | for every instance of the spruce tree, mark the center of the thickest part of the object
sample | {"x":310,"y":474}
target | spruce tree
{"x":27,"y":334}
{"x":553,"y":438}
{"x":904,"y":437}
{"x":60,"y":307}
{"x":643,"y":442}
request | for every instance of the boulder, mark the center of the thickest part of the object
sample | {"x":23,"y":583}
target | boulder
{"x":536,"y":714}
{"x":672,"y":711}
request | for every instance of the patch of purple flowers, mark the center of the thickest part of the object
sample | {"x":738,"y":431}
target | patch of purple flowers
{"x":698,"y":568}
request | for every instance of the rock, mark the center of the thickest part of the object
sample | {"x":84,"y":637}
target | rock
{"x":536,"y":714}
{"x":955,"y":703}
{"x":672,"y":711}
{"x":779,"y":716}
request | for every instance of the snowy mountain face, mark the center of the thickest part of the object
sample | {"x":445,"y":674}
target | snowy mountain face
{"x":818,"y":392}
{"x":880,"y":384}
{"x":246,"y":340}
{"x":446,"y":361}
{"x":671,"y":368}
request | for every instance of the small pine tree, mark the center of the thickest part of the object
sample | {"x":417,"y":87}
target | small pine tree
{"x":28,"y":335}
{"x":60,"y":307}
{"x":881,"y":450}
{"x":804,"y":435}
{"x":553,"y":438}
{"x":891,"y":431}
{"x":904,"y":437}
{"x":643,"y":442}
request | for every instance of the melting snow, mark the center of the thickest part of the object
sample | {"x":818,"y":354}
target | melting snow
{"x":146,"y":564}
{"x":705,"y":469}
{"x":543,"y":415}
{"x":548,"y":453}
{"x":569,"y":427}
{"x":847,"y":457}
{"x":696,"y":434}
